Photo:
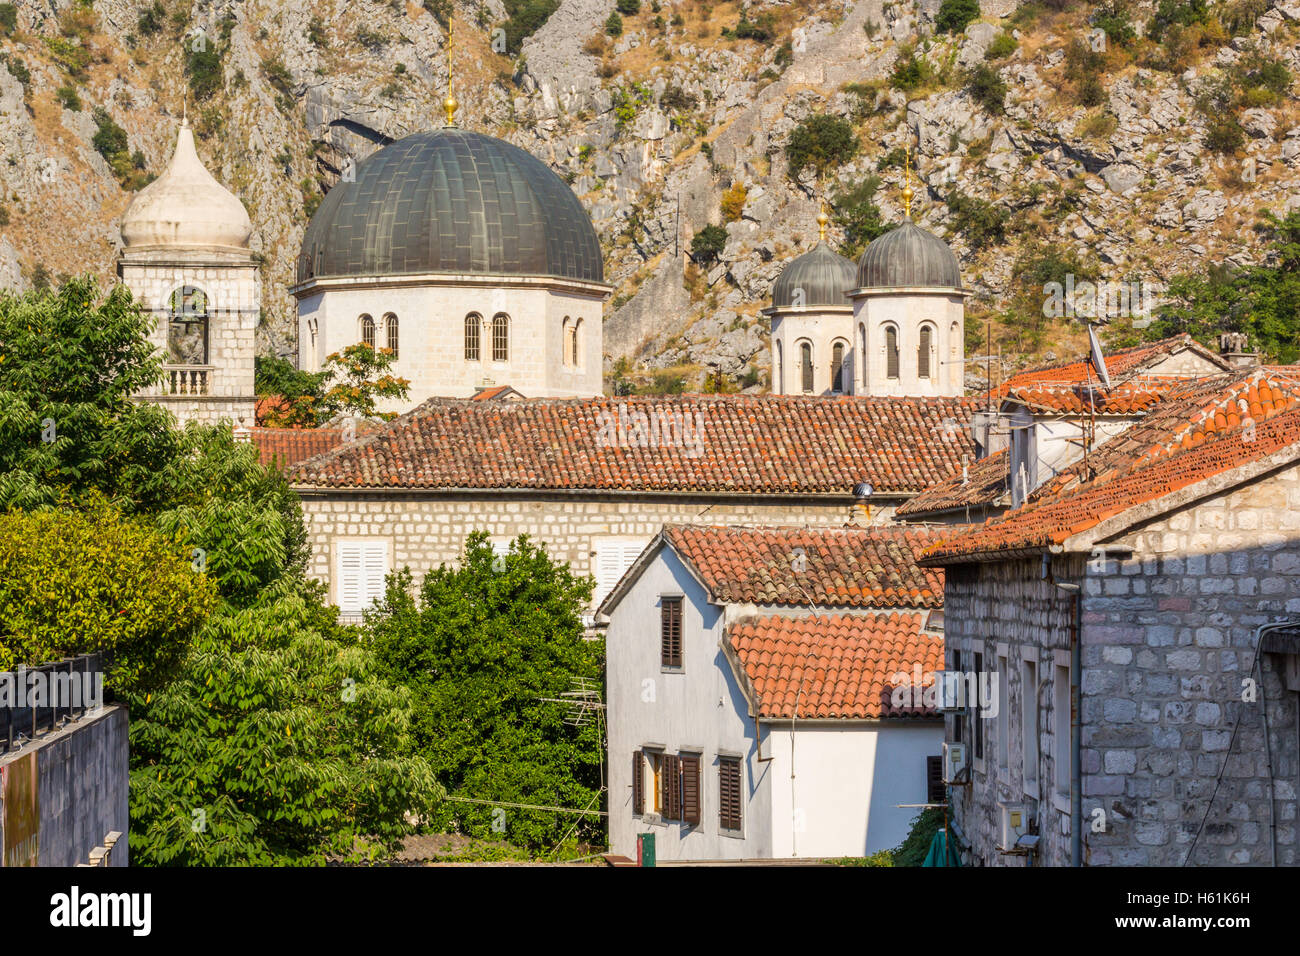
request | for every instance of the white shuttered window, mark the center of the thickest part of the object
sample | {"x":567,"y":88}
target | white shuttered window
{"x":361,"y":571}
{"x":613,"y":557}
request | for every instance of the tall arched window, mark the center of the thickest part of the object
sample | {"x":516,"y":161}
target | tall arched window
{"x":778,"y":380}
{"x":390,"y":327}
{"x":567,"y":346}
{"x":368,"y":330}
{"x":473,"y":327}
{"x":861,"y":371}
{"x":837,"y":367}
{"x":575,"y":357}
{"x":891,"y":352}
{"x":956,"y":370}
{"x":500,"y":337}
{"x":806,"y":366}
{"x":923,"y":352}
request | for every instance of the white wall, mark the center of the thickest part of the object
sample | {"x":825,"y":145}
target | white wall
{"x":908,"y":310}
{"x":821,"y":328}
{"x":431,"y":347}
{"x":701,"y":708}
{"x":847,"y":782}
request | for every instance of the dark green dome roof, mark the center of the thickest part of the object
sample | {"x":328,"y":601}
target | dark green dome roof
{"x":449,"y":200}
{"x":908,"y":257}
{"x":824,"y":276}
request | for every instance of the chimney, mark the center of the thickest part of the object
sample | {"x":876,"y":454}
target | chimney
{"x":1232,"y":346}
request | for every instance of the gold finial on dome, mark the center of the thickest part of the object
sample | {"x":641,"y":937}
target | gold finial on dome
{"x":450,"y":104}
{"x":822,"y":220}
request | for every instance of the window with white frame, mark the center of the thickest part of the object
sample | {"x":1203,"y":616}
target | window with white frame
{"x":1003,"y":675}
{"x":1029,"y":724}
{"x":362,"y":566}
{"x":1061,"y":726}
{"x":613,"y":556}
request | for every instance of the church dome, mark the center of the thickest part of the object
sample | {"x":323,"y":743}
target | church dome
{"x":451,"y":201}
{"x":186,"y":208}
{"x":908,"y":257}
{"x":824,"y":276}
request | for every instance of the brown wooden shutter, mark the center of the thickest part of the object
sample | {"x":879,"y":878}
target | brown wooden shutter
{"x":729,"y":802}
{"x":691,"y":789}
{"x":672,"y":787}
{"x":935,"y":792}
{"x":638,"y":783}
{"x":670,"y":620}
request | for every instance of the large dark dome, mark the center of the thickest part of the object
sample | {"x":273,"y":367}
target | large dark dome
{"x":824,"y":276}
{"x":453,"y":201}
{"x":908,"y":257}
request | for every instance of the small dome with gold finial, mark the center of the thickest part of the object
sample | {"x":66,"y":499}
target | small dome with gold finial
{"x":819,"y":277}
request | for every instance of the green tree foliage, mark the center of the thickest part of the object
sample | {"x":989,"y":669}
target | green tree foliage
{"x":1112,"y":18}
{"x":1263,"y":301}
{"x":855,"y":211}
{"x":986,"y":88}
{"x":614,"y":24}
{"x":911,"y":72}
{"x":73,"y":582}
{"x":978,"y":221}
{"x":279,"y":743}
{"x":203,"y":70}
{"x":955,"y":15}
{"x":441,"y":11}
{"x":70,"y":360}
{"x":68,"y":98}
{"x":8,"y":19}
{"x":480,"y":647}
{"x":1184,"y":13}
{"x":360,"y":377}
{"x":111,"y":143}
{"x":524,"y":18}
{"x":821,"y":141}
{"x":915,"y":848}
{"x":300,"y":390}
{"x":628,"y":7}
{"x":1085,"y":67}
{"x":708,"y":243}
{"x":152,"y":19}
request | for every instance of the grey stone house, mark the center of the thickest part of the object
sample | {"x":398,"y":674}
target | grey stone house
{"x":1152,"y":589}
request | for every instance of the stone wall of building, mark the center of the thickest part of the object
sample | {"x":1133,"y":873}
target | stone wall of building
{"x":1174,"y":747}
{"x":428,"y":530}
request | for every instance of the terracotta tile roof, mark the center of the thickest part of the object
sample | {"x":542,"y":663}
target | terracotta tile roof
{"x":494,"y":393}
{"x":833,"y":666}
{"x":828,"y":567}
{"x":1120,"y":364}
{"x":1125,"y":398}
{"x":746,"y":444}
{"x":286,"y":447}
{"x":1204,"y":428}
{"x":985,"y":483}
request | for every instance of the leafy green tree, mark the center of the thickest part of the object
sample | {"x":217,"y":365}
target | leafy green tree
{"x":203,"y":70}
{"x":821,"y":141}
{"x":986,"y":88}
{"x":480,"y":648}
{"x":1263,"y":300}
{"x":301,"y":391}
{"x":70,"y":360}
{"x":614,"y":24}
{"x":978,"y":221}
{"x":708,"y":243}
{"x":75,"y":582}
{"x":955,"y":15}
{"x":855,"y":211}
{"x":280,"y":743}
{"x":628,"y":7}
{"x":525,"y":17}
{"x":8,"y":19}
{"x":360,"y":377}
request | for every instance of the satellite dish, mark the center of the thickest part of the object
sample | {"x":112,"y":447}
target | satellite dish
{"x":1095,"y":356}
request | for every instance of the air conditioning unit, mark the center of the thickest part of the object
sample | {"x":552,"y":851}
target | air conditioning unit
{"x":954,"y":761}
{"x":1015,"y":825}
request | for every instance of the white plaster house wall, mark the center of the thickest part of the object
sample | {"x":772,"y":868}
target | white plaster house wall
{"x":701,"y":709}
{"x":908,"y":310}
{"x":432,"y":311}
{"x":837,"y":786}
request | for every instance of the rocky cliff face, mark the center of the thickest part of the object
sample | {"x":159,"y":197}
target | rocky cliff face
{"x":655,"y":127}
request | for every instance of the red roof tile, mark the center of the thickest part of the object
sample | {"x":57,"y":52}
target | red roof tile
{"x":841,"y":666}
{"x":1120,"y":364}
{"x":1204,"y":428}
{"x":747,"y":445}
{"x":984,"y":483}
{"x":824,"y":567}
{"x":286,"y":447}
{"x":1125,"y":398}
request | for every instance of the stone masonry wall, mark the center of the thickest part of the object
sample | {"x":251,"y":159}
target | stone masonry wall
{"x":429,"y":530}
{"x":1172,"y":754}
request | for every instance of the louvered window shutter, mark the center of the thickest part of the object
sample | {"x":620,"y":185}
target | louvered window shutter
{"x":934,"y":780}
{"x":729,"y":793}
{"x":350,"y":578}
{"x":638,"y":783}
{"x":672,"y":784}
{"x":691,"y":789}
{"x":376,"y":567}
{"x":670,"y":618}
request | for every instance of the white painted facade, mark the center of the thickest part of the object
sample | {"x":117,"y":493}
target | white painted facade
{"x":544,"y":317}
{"x":804,"y":350}
{"x":821,"y":789}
